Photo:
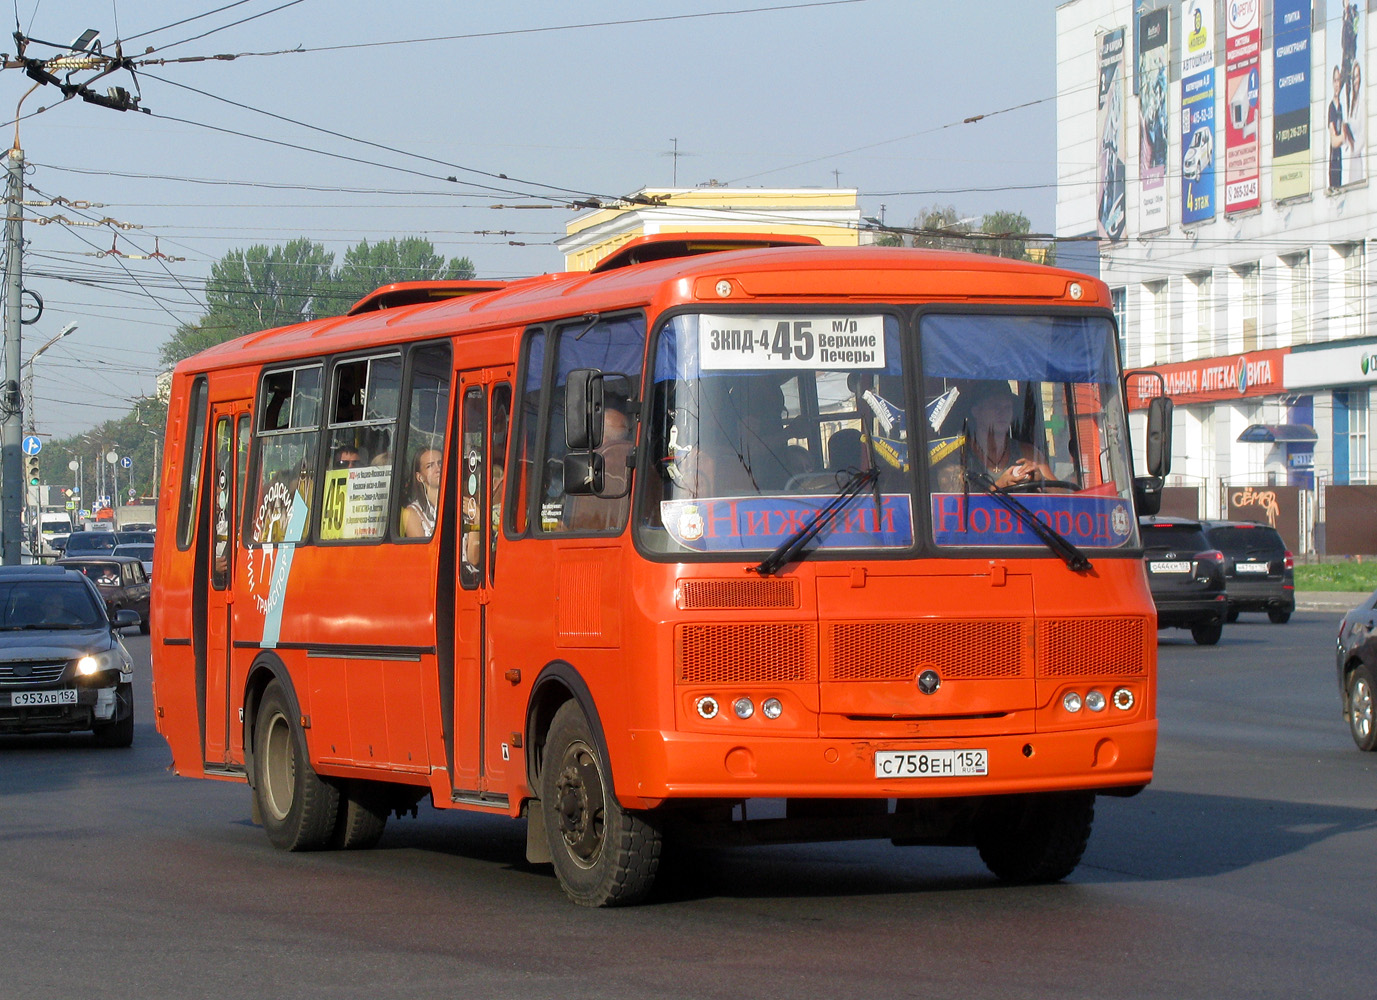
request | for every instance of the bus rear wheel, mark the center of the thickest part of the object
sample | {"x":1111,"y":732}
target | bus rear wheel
{"x":300,"y":809}
{"x":1036,"y":838}
{"x":603,"y":855}
{"x":363,"y":809}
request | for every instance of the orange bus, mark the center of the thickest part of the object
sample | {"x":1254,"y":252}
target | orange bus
{"x":726,"y":539}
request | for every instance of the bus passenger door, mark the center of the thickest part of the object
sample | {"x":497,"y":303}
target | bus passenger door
{"x":230,"y":425}
{"x":484,"y":412}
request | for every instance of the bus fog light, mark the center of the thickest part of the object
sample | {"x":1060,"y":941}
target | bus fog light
{"x":707,"y":707}
{"x":1095,"y":701}
{"x":1071,"y":701}
{"x":743,"y":708}
{"x":1123,"y":699}
{"x":772,"y":708}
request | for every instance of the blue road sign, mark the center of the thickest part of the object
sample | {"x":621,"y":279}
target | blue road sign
{"x":32,"y":445}
{"x":126,"y":462}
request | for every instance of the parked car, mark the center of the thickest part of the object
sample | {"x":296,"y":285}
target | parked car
{"x":1259,"y":571}
{"x":121,"y":581}
{"x":1186,"y":576}
{"x":89,"y":542}
{"x":63,"y":666}
{"x":142,"y":551}
{"x":1356,"y":654}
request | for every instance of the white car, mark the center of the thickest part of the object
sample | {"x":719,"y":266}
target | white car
{"x":1199,"y":155}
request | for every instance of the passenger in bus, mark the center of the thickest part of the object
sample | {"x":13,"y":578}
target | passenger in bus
{"x":418,"y":517}
{"x":346,"y":457}
{"x":992,"y":448}
{"x":844,"y":450}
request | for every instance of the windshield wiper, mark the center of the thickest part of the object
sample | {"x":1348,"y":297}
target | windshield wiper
{"x":1053,"y":539}
{"x":793,"y":547}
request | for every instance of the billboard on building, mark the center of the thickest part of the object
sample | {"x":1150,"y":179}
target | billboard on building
{"x":1213,"y":380}
{"x":1152,"y":117}
{"x":1109,"y":126}
{"x":1291,"y":99}
{"x":1346,"y":95}
{"x":1242,"y":109}
{"x":1197,"y":112}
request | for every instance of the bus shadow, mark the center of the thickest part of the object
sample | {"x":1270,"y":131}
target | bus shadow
{"x":1157,"y":837}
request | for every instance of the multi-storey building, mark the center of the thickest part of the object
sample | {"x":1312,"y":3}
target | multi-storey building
{"x":1215,"y":153}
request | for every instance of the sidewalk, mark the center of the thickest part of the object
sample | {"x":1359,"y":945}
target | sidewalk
{"x":1335,"y":601}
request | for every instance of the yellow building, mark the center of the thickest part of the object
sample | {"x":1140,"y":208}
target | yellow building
{"x":832,"y":216}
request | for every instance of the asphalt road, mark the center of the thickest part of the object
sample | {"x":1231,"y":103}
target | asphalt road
{"x":1244,"y":871}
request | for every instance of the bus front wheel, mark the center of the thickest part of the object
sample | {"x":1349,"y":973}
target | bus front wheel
{"x":299,"y":809}
{"x":1036,"y":838}
{"x":603,"y":855}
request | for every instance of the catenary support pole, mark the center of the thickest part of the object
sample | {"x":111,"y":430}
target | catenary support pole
{"x":11,"y":463}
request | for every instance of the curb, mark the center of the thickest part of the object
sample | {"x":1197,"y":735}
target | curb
{"x":1338,"y":602}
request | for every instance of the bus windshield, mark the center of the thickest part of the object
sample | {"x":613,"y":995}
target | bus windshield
{"x":758,"y":421}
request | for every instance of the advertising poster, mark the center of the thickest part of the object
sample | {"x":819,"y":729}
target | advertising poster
{"x":1152,"y":114}
{"x":1345,"y":91}
{"x":1242,"y":112}
{"x":1109,"y":126}
{"x":1197,"y":112}
{"x":1291,"y":99}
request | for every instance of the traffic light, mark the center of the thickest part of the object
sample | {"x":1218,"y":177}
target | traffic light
{"x":31,"y":469}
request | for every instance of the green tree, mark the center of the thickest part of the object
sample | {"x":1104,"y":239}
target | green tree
{"x":264,"y":287}
{"x":367,"y":267}
{"x":941,"y":227}
{"x":1008,"y":231}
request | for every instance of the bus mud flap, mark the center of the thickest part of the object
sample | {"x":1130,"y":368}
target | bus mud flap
{"x":537,"y":844}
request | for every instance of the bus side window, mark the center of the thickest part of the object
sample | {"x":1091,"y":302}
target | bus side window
{"x":191,"y":469}
{"x":423,"y":442}
{"x":286,"y":455}
{"x":528,"y":430}
{"x":472,"y":468}
{"x":497,"y":450}
{"x":363,"y":426}
{"x":614,"y":344}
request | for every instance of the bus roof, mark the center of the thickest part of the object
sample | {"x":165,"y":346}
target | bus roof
{"x":754,"y":275}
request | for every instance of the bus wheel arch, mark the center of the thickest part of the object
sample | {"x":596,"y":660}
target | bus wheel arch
{"x":266,"y":668}
{"x":557,"y":683}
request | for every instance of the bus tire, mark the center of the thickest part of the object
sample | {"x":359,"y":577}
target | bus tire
{"x":603,"y":855}
{"x":300,"y":809}
{"x":1030,"y":839}
{"x":362,"y":818}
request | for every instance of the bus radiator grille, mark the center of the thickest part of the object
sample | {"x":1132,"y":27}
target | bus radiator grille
{"x":747,"y":653}
{"x":1092,"y":647}
{"x":896,"y":651}
{"x":731,"y":595}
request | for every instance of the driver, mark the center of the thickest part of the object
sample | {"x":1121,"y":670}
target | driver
{"x":991,"y":446}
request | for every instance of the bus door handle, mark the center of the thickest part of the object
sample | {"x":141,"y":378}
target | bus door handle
{"x":483,"y":595}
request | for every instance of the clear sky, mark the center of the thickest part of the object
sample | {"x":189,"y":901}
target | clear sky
{"x":564,"y":98}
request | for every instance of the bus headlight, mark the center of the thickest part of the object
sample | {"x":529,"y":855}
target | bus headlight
{"x":1071,"y":701}
{"x":1095,"y":701}
{"x":743,"y":707}
{"x":772,"y":708}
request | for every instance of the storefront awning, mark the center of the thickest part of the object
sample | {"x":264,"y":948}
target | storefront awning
{"x":1279,"y":433}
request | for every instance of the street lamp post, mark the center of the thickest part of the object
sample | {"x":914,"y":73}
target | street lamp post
{"x":26,"y":370}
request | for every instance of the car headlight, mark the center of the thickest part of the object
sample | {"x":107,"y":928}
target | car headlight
{"x":94,"y":663}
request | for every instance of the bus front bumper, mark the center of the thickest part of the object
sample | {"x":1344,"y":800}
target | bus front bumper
{"x":689,"y":766}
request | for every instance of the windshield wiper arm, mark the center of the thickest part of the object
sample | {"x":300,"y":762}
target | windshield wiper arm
{"x":1053,"y":539}
{"x":793,"y":546}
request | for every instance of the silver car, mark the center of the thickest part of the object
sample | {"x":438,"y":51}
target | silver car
{"x":1356,"y":655}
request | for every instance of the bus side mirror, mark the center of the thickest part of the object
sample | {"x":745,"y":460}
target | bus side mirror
{"x":585,"y":473}
{"x":1147,"y":495}
{"x":1159,"y":437}
{"x":583,"y":405}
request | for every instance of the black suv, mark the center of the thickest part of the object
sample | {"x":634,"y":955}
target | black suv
{"x":1258,"y":569}
{"x":1186,"y":575}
